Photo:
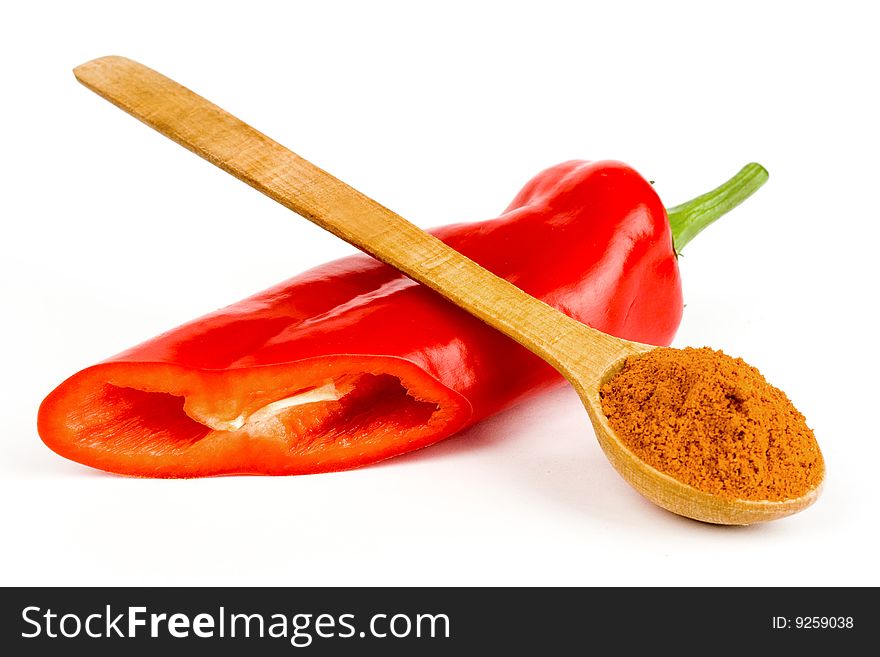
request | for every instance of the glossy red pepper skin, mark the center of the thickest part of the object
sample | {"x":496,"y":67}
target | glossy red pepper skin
{"x":408,"y":368}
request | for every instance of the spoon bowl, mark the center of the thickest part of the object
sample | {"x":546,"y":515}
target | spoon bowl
{"x":585,"y":356}
{"x":668,"y":492}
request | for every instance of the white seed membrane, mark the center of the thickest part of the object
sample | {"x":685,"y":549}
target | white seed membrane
{"x":266,"y":419}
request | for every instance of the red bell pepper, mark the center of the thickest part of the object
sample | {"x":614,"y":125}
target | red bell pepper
{"x":351,"y":362}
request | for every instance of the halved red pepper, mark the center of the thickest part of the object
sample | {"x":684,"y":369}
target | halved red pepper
{"x":351,"y":362}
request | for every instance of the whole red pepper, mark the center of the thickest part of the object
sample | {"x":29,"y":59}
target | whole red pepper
{"x":352,"y":362}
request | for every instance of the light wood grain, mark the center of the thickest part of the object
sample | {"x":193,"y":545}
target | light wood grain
{"x":585,"y":357}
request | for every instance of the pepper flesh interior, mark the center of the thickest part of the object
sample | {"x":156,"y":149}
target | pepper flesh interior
{"x":158,"y":422}
{"x":136,"y":420}
{"x":131,"y":427}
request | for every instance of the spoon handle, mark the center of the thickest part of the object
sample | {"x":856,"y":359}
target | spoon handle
{"x":578,"y":352}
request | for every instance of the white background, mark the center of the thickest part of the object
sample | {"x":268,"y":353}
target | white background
{"x":112,"y":234}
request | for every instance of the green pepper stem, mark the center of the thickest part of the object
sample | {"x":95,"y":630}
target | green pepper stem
{"x":688,"y":219}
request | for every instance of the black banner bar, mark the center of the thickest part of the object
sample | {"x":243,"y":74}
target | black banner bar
{"x":435,"y":621}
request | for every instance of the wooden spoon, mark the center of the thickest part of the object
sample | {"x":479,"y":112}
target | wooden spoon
{"x":586,"y":357}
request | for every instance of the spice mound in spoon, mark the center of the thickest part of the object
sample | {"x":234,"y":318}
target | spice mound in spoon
{"x":714,"y":423}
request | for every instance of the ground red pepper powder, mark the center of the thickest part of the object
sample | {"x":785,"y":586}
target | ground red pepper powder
{"x":713,"y":422}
